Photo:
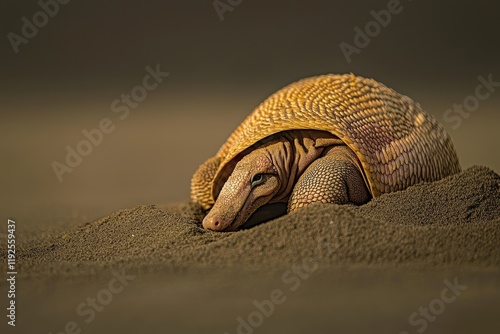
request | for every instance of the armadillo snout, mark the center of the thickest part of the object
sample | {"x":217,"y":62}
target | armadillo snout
{"x":213,"y":223}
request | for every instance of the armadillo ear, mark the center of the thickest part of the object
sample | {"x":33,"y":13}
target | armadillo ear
{"x":201,"y":183}
{"x":328,"y":141}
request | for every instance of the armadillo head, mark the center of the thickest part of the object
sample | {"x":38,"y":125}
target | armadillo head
{"x":253,"y":183}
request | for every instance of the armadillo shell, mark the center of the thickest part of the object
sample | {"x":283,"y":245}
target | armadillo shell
{"x":397,"y":143}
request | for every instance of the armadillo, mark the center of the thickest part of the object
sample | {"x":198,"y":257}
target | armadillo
{"x":340,"y":139}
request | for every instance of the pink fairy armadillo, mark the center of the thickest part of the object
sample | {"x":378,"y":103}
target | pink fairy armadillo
{"x":329,"y":139}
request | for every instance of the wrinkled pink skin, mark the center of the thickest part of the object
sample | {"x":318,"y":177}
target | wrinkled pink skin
{"x":280,"y":163}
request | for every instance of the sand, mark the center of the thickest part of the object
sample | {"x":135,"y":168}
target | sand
{"x":453,"y":221}
{"x":337,"y":269}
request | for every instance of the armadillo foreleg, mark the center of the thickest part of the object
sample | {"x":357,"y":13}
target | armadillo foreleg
{"x":334,"y":178}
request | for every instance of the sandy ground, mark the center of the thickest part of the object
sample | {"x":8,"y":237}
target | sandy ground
{"x":426,"y":258}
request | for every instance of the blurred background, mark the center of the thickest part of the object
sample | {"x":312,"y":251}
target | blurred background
{"x":64,"y":79}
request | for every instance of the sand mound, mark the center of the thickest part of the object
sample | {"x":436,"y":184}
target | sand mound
{"x":453,"y":221}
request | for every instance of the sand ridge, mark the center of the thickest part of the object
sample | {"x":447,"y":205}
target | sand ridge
{"x":455,"y":221}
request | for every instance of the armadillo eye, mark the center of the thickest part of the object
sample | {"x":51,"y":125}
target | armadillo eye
{"x":257,"y":179}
